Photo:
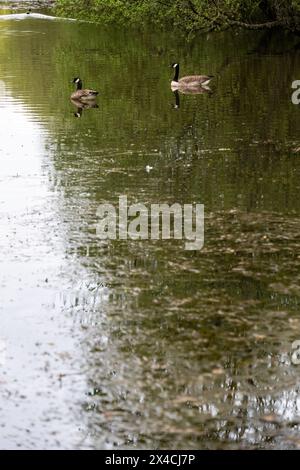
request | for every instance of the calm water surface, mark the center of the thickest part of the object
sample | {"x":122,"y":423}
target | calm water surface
{"x":143,"y":344}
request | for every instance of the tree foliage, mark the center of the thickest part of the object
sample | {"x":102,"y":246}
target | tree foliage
{"x":189,"y":15}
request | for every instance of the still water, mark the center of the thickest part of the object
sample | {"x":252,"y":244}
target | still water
{"x":141,"y":344}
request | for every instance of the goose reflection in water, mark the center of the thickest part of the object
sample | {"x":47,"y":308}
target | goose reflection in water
{"x":191,"y":91}
{"x":80,"y":106}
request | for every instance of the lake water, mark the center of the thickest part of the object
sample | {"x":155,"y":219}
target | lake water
{"x":142,"y":344}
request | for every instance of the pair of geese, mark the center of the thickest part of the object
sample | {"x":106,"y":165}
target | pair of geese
{"x":192,"y":83}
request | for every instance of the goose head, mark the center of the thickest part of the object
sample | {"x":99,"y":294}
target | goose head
{"x":76,"y":80}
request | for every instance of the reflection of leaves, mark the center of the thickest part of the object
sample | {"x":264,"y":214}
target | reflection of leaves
{"x":206,"y":327}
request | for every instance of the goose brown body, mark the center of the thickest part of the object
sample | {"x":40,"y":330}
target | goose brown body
{"x":190,"y":81}
{"x":83,"y":94}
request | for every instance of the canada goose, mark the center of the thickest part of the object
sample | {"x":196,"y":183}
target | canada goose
{"x":82,"y":94}
{"x":190,"y":81}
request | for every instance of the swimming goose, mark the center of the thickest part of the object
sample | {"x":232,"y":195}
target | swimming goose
{"x":190,"y":81}
{"x":82,"y":94}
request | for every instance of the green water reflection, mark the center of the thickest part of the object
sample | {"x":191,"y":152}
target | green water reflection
{"x":180,"y":349}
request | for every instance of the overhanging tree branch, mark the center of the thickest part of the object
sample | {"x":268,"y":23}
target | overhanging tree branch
{"x":268,"y":25}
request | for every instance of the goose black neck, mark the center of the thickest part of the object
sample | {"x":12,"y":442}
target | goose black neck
{"x":176,"y":76}
{"x":79,"y":85}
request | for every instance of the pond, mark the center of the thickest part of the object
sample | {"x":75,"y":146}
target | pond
{"x":141,"y":344}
